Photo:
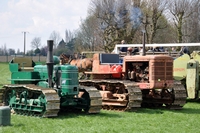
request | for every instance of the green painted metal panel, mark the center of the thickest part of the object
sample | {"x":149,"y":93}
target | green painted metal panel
{"x":13,"y":67}
{"x":192,"y":79}
{"x":42,"y":70}
{"x":69,"y":79}
{"x":24,"y":77}
{"x":56,"y":60}
{"x":180,"y":66}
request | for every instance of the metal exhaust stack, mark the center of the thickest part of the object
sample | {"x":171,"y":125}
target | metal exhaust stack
{"x":144,"y":52}
{"x":49,"y":61}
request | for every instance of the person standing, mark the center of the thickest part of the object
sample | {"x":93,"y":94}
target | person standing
{"x":173,"y":49}
{"x":141,"y":50}
{"x":135,"y":50}
{"x":123,"y":49}
{"x":184,"y":50}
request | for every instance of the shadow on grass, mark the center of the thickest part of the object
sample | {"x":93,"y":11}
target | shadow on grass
{"x":149,"y":111}
{"x":78,"y":114}
{"x":184,"y":110}
{"x":187,"y":111}
{"x":112,"y":113}
{"x":13,"y":125}
{"x":117,"y":114}
{"x":192,"y":108}
{"x":193,"y":101}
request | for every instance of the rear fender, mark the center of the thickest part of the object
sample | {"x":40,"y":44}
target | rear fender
{"x":180,"y":66}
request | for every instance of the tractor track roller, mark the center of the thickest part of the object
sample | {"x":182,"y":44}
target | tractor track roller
{"x":95,"y":104}
{"x":52,"y":106}
{"x":135,"y":97}
{"x":179,"y":96}
{"x":127,"y":96}
{"x":31,"y":100}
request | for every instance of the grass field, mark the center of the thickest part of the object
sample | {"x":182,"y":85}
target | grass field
{"x":142,"y":121}
{"x":186,"y":120}
{"x":4,"y":74}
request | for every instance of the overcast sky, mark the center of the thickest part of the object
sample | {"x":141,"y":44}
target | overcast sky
{"x":39,"y":18}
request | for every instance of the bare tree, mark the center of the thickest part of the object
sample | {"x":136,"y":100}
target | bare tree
{"x":191,"y":26}
{"x":55,"y":36}
{"x":18,"y":51}
{"x":4,"y":50}
{"x":11,"y":51}
{"x":104,"y":12}
{"x":88,"y":36}
{"x":117,"y":20}
{"x":165,"y":35}
{"x":43,"y":50}
{"x":36,"y":43}
{"x":68,"y":36}
{"x":181,"y":10}
{"x":152,"y":13}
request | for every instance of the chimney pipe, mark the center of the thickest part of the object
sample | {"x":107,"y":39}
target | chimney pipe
{"x":144,"y":52}
{"x":49,"y":61}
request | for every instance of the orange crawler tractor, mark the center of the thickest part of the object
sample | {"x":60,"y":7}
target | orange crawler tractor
{"x":140,"y":81}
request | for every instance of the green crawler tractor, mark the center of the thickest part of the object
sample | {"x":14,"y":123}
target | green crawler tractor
{"x":44,"y":90}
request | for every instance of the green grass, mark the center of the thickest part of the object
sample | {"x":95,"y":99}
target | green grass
{"x":142,"y":121}
{"x":4,"y":74}
{"x":186,"y":120}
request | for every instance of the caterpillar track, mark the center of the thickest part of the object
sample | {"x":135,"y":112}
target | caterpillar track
{"x":95,"y":104}
{"x":43,"y":102}
{"x":126,"y":96}
{"x":173,"y":98}
{"x":133,"y":97}
{"x":35,"y":101}
{"x":180,"y":96}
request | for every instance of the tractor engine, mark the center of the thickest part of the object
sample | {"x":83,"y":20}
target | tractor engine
{"x":149,"y":71}
{"x":138,"y":72}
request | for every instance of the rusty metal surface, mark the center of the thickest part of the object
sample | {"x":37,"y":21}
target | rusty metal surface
{"x":117,"y":94}
{"x":152,"y":71}
{"x":145,"y":81}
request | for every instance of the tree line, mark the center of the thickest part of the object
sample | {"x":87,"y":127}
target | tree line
{"x":110,"y":21}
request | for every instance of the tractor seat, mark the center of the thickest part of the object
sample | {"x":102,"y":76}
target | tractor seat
{"x":24,"y":63}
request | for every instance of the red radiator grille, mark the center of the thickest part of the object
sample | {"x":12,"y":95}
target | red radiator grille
{"x":162,"y":70}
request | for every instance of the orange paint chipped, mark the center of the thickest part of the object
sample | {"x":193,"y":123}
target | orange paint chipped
{"x":179,"y":69}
